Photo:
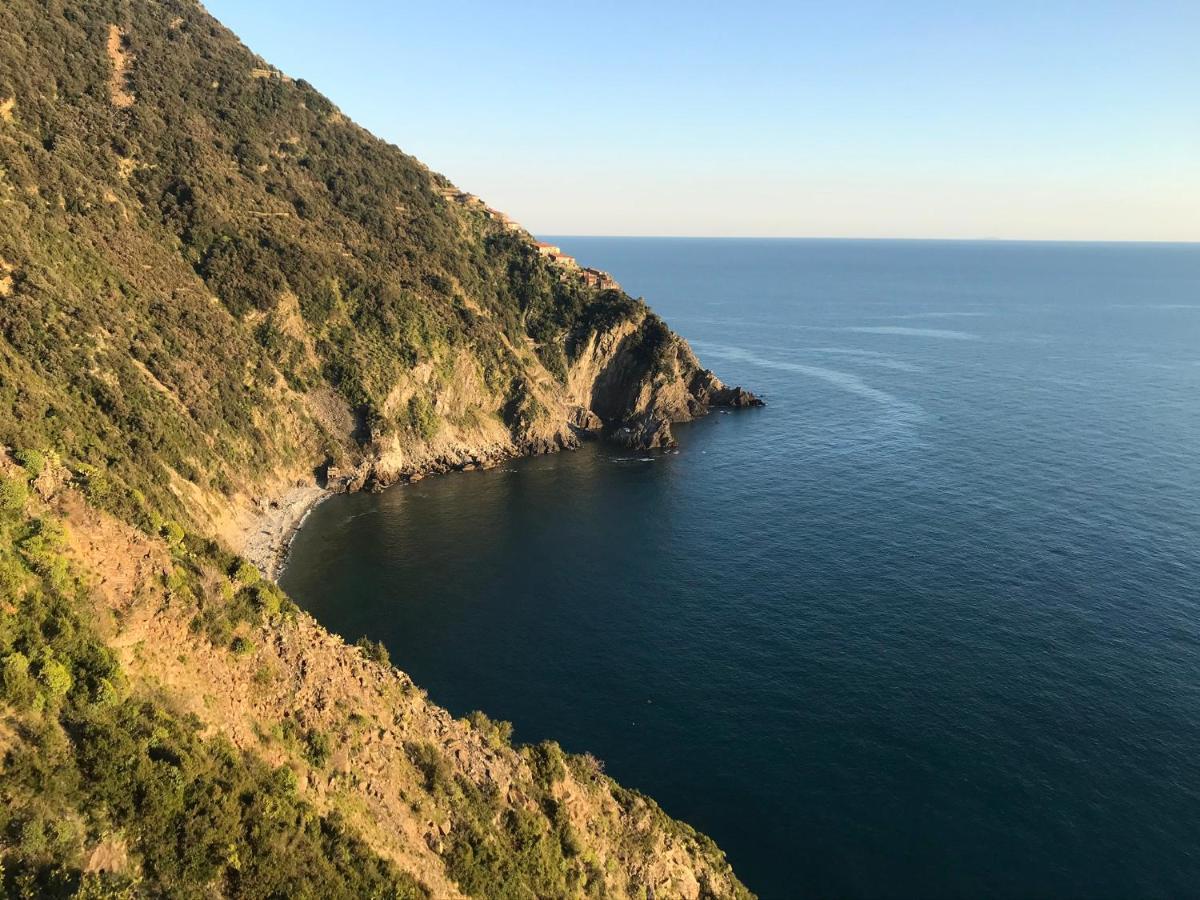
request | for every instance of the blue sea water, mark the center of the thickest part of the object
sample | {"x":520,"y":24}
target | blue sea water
{"x":926,"y":626}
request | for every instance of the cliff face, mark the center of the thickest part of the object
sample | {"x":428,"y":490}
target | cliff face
{"x":626,"y":383}
{"x":216,"y":294}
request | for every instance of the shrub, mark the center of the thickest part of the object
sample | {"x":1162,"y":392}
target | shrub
{"x":172,"y":533}
{"x":421,"y":417}
{"x":97,"y":486}
{"x":432,"y":765}
{"x":245,"y":572}
{"x":18,"y":685}
{"x":106,"y":693}
{"x":374,"y":650}
{"x":42,"y":548}
{"x":241,"y":646}
{"x":12,"y":576}
{"x":316,"y":748}
{"x":268,"y":599}
{"x":547,"y":761}
{"x":498,"y":733}
{"x":13,"y":495}
{"x":55,"y":677}
{"x":34,"y":461}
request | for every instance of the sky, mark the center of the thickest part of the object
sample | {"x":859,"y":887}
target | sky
{"x":920,"y":119}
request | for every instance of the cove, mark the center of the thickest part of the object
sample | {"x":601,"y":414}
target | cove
{"x":925,"y":626}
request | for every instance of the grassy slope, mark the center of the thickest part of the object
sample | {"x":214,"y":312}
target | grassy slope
{"x":208,"y":277}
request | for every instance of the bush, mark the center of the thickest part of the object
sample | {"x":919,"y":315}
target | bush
{"x":268,"y":599}
{"x":421,"y":417}
{"x":316,"y":748}
{"x":498,"y":733}
{"x":97,"y":486}
{"x":19,"y":687}
{"x":172,"y":533}
{"x":240,"y":646}
{"x":42,"y":549}
{"x":13,"y":495}
{"x":432,"y":765}
{"x":55,"y":677}
{"x":245,"y":572}
{"x":34,"y":461}
{"x":12,"y":576}
{"x":374,"y":650}
{"x":106,"y":693}
{"x":547,"y":762}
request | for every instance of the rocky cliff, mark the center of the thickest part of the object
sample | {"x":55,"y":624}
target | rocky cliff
{"x":626,"y":383}
{"x":217,"y":297}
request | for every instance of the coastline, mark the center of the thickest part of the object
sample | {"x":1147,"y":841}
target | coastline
{"x":267,"y":543}
{"x":268,"y":539}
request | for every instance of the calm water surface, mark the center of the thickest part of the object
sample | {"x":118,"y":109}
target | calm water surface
{"x":927,"y":626}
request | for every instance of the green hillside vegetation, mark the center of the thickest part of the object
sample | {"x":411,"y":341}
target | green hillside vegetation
{"x":93,"y":759}
{"x":210,"y":281}
{"x":142,"y":241}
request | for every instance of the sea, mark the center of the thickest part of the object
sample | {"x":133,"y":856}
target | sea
{"x":927,"y":625}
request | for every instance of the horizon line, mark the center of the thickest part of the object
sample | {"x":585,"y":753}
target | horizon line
{"x":947,"y":240}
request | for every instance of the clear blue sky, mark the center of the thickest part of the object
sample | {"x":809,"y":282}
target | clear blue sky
{"x":1041,"y":120}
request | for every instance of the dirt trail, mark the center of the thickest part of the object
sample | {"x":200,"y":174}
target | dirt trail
{"x":121,"y":59}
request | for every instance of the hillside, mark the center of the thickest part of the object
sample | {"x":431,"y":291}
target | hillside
{"x":216,"y":291}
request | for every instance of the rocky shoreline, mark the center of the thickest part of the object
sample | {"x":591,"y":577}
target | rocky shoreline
{"x":268,"y":539}
{"x":266,"y":544}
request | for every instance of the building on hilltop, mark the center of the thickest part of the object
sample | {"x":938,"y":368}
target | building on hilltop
{"x":555,"y":255}
{"x":599,"y":279}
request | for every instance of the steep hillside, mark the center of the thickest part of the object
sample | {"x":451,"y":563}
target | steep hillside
{"x":210,"y":273}
{"x":216,"y":291}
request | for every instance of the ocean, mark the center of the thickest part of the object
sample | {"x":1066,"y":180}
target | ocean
{"x":928,"y":625}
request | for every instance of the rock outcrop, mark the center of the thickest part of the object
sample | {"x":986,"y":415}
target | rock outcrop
{"x":629,"y":384}
{"x":650,"y":380}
